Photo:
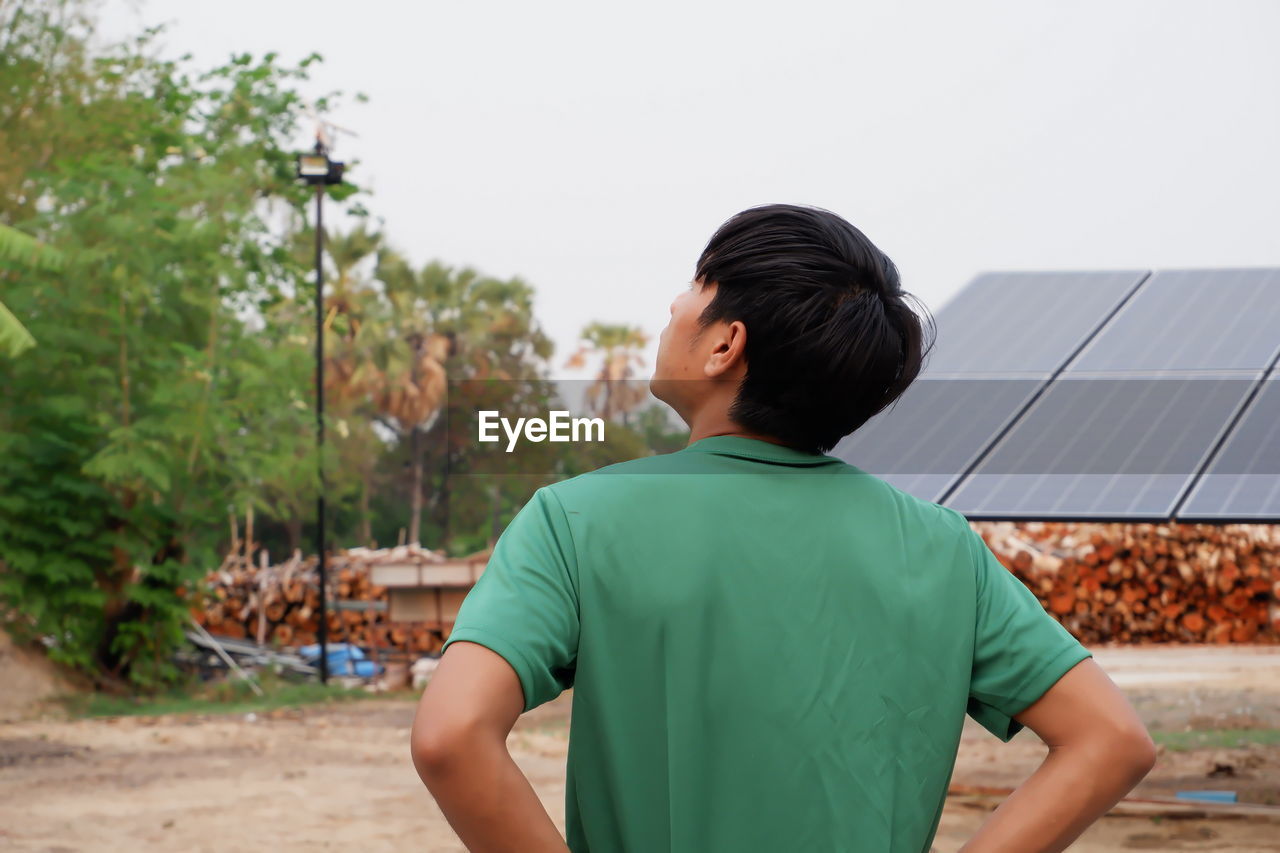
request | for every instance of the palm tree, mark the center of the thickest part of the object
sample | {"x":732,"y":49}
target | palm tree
{"x":618,"y":347}
{"x":455,"y":323}
{"x":410,"y":359}
{"x":346,"y":303}
{"x":346,"y":252}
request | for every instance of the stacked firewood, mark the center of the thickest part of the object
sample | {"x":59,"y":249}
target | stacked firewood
{"x":280,"y":604}
{"x":1149,"y":583}
{"x":1121,"y":583}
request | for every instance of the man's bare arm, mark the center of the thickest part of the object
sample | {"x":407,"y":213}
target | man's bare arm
{"x":459,"y":747}
{"x":1098,"y":751}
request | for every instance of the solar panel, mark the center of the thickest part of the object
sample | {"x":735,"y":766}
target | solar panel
{"x":1148,"y":372}
{"x":1243,"y":483}
{"x":1183,"y":320}
{"x":999,"y":340}
{"x":1093,"y":448}
{"x":935,"y":431}
{"x":1019,"y":323}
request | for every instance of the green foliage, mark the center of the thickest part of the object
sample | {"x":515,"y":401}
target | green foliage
{"x":18,"y":249}
{"x":150,"y":405}
{"x":14,"y":337}
{"x":172,"y":385}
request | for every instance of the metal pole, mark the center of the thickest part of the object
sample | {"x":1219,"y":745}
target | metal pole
{"x":320,"y":544}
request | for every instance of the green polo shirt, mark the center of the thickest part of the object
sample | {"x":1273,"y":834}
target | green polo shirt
{"x":770,"y":650}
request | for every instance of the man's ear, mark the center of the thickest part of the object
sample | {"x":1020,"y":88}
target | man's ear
{"x":729,"y":356}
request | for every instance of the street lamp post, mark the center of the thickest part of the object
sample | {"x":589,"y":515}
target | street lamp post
{"x":319,"y":171}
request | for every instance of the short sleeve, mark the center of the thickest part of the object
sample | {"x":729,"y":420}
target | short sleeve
{"x":1020,"y":651}
{"x":524,"y":607}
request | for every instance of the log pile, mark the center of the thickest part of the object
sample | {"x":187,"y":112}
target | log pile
{"x":280,"y":604}
{"x":1106,"y":583}
{"x":1149,"y":583}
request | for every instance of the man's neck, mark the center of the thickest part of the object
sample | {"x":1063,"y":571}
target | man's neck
{"x":707,"y":424}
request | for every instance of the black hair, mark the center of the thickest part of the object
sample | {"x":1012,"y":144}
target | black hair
{"x":831,"y":340}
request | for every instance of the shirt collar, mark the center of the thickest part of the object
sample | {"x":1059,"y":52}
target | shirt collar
{"x":754,"y":448}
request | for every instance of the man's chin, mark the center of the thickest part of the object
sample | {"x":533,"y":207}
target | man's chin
{"x":653,"y":384}
{"x":660,"y":388}
{"x":666,"y":391}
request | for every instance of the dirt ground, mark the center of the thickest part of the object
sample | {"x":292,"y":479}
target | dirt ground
{"x":25,"y":677}
{"x":339,"y":777}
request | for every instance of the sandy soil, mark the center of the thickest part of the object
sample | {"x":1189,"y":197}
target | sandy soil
{"x":340,"y":778}
{"x":27,"y":677}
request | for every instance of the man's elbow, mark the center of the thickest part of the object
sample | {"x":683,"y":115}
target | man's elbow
{"x":431,"y":749}
{"x":436,"y":744}
{"x":1134,"y":750}
{"x":439,"y":746}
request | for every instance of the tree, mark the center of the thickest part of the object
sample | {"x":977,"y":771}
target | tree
{"x":153,"y":404}
{"x":412,"y":361}
{"x":173,"y":377}
{"x":612,"y":394}
{"x":478,"y":329}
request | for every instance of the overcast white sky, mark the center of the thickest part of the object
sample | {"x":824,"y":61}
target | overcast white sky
{"x":592,"y":148}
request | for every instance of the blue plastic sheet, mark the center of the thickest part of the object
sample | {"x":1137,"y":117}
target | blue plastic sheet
{"x":343,"y":658}
{"x":1208,"y":796}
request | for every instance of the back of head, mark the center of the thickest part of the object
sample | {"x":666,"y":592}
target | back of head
{"x":831,"y":340}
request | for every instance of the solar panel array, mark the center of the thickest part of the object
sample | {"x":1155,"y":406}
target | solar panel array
{"x":998,"y":344}
{"x":1075,"y":396}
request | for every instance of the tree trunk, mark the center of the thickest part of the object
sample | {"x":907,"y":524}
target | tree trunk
{"x":366,"y":523}
{"x":293,"y":527}
{"x":446,"y":527}
{"x":415,"y":483}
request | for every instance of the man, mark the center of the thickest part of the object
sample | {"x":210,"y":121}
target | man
{"x":770,"y":649}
